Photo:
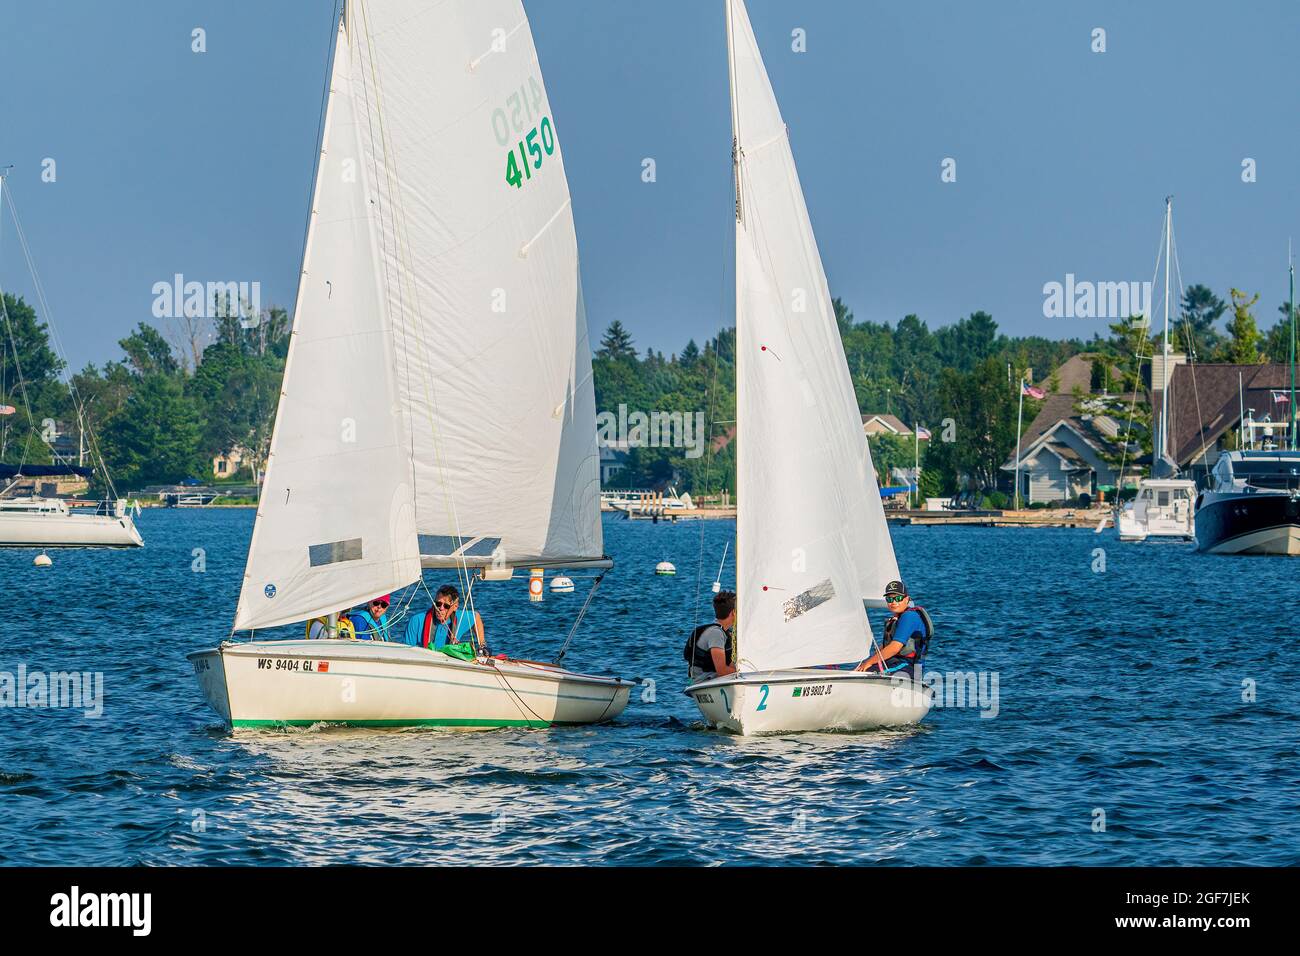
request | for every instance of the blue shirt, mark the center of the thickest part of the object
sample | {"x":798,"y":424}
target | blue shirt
{"x":909,"y":626}
{"x":414,"y":634}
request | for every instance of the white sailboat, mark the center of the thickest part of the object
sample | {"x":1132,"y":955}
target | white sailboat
{"x":812,"y":545}
{"x":437,"y":407}
{"x":35,"y":520}
{"x":1164,"y":506}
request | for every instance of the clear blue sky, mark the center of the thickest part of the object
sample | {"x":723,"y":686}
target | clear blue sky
{"x":171,"y":161}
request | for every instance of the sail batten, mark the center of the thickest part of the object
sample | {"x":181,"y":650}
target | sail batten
{"x":812,"y":540}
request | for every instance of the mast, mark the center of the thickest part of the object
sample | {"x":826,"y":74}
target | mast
{"x":1290,"y":306}
{"x":1164,"y":364}
{"x":735,"y":174}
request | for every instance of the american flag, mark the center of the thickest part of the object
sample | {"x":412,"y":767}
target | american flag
{"x":1281,"y":398}
{"x":1032,"y":391}
{"x":922,"y":433}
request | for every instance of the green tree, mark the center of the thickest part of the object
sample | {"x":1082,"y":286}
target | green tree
{"x":1242,"y":348}
{"x":1201,"y":311}
{"x":155,"y":438}
{"x":616,"y":343}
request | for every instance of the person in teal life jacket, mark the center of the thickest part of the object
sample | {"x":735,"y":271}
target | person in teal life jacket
{"x":907,"y":635}
{"x":445,"y":626}
{"x":370,"y":622}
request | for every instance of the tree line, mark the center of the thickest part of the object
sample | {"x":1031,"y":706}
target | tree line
{"x":164,"y":409}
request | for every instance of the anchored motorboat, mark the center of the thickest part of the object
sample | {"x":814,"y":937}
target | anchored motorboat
{"x":1253,"y":506}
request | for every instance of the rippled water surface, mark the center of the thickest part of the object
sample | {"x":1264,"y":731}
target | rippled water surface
{"x":1122,"y":692}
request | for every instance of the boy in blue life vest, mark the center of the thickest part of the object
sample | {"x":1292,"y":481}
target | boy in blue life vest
{"x":907,"y":635}
{"x":370,"y":623}
{"x":445,"y":627}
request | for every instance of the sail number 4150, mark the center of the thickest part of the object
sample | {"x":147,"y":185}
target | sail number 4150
{"x":530,"y":153}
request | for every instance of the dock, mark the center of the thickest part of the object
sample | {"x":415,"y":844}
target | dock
{"x":1023,"y":518}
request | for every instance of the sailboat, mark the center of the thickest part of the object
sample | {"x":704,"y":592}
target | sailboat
{"x":1164,"y":506}
{"x":437,"y":409}
{"x":812,"y":546}
{"x":35,"y":520}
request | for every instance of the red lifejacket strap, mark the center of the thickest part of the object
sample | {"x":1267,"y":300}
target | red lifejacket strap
{"x":428,"y":627}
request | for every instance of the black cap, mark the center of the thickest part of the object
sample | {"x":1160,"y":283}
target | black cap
{"x":895,"y":589}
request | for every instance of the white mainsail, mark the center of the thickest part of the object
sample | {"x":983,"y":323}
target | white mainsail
{"x":336,"y":522}
{"x":493,"y":361}
{"x":811,"y":536}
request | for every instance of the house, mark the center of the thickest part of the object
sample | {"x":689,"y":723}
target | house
{"x":613,"y":459}
{"x":1065,"y":452}
{"x":1206,"y":403}
{"x":228,"y":465}
{"x":884,"y":424}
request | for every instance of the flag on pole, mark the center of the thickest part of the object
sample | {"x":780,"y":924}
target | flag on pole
{"x":7,"y":409}
{"x":922,"y":433}
{"x":1280,"y":397}
{"x":1032,"y":391}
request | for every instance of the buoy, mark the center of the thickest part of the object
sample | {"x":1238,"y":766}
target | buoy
{"x":562,"y":585}
{"x":535,"y":592}
{"x":665,"y":567}
{"x":42,"y":560}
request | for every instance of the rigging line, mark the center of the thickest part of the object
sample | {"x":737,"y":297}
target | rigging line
{"x":713,"y":394}
{"x":58,"y":347}
{"x":402,"y":255}
{"x":564,"y":648}
{"x":1191,"y":356}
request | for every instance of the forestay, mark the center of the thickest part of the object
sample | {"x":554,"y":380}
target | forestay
{"x":811,"y":529}
{"x":493,"y":364}
{"x":336,"y":523}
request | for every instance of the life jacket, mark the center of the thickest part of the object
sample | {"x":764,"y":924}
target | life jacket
{"x":344,"y":628}
{"x":696,"y":656}
{"x":365,"y":627}
{"x":429,"y":632}
{"x":914,"y":649}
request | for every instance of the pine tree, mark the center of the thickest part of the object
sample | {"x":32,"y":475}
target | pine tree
{"x":617,"y":343}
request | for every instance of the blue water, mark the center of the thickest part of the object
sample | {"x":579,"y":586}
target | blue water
{"x":1120,"y":692}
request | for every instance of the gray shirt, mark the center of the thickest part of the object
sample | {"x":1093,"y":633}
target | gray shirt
{"x":712,"y":636}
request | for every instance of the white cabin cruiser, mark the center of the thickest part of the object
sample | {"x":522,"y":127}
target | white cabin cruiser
{"x":1163,"y":508}
{"x":469,"y":444}
{"x":812,"y":546}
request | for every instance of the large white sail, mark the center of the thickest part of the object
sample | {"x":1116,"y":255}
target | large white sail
{"x":812,"y":540}
{"x":336,"y":522}
{"x":483,"y":283}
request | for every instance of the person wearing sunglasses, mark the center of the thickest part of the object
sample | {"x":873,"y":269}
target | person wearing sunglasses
{"x":445,"y":627}
{"x":906,"y":637}
{"x":370,"y":623}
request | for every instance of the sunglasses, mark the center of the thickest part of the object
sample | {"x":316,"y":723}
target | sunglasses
{"x":445,"y":605}
{"x":378,"y":604}
{"x":895,"y":598}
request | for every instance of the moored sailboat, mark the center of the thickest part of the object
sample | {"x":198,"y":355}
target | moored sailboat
{"x":812,"y":545}
{"x":437,"y":409}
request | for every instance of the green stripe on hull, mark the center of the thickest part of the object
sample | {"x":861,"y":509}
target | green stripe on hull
{"x":412,"y":722}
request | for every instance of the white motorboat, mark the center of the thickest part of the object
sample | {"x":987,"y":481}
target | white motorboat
{"x":451,"y":294}
{"x":49,"y":523}
{"x":1162,"y":508}
{"x":813,"y":549}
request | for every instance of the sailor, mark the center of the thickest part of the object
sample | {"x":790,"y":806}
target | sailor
{"x":709,"y":648}
{"x":445,"y":627}
{"x":369,"y":622}
{"x":907,"y":634}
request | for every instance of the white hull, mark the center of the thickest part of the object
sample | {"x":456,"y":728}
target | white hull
{"x":53,"y":530}
{"x":794,"y":701}
{"x":1280,"y":540}
{"x":378,"y":684}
